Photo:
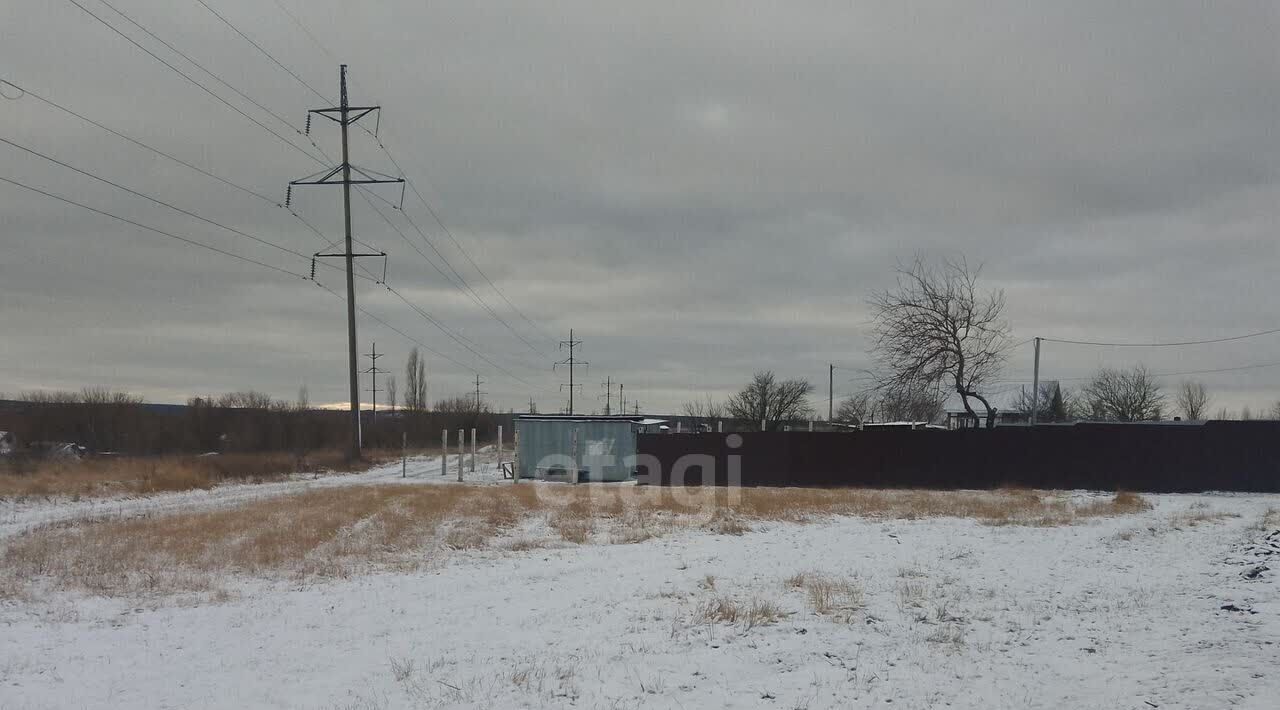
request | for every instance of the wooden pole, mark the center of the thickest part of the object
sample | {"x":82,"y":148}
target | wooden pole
{"x":444,"y":452}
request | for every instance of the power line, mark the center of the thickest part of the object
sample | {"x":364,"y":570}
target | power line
{"x":459,"y":339}
{"x":199,"y":66}
{"x":179,"y":161}
{"x":1164,"y":345}
{"x":140,"y":144}
{"x":257,"y":46}
{"x":306,"y":31}
{"x":363,"y":311}
{"x":448,"y":232}
{"x":465,"y":287}
{"x":202,"y":87}
{"x":171,"y":235}
{"x":1257,"y":366}
{"x":157,"y":201}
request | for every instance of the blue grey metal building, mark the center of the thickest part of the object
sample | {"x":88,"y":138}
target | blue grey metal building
{"x":553,"y":446}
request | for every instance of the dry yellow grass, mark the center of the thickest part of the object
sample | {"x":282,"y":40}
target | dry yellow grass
{"x":331,"y":533}
{"x":840,"y":599}
{"x":161,"y":474}
{"x":350,"y":530}
{"x":726,"y":610}
{"x":998,"y":507}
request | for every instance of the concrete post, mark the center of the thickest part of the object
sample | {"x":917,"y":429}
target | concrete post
{"x":679,"y":427}
{"x":761,"y":425}
{"x":810,"y":425}
{"x":404,"y":454}
{"x":515,"y":456}
{"x":719,"y":427}
{"x":499,"y":445}
{"x":473,"y":450}
{"x":462,"y":451}
{"x":444,"y":452}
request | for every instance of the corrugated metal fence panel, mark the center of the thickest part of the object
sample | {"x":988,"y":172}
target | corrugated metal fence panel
{"x":1224,"y":456}
{"x":605,"y":448}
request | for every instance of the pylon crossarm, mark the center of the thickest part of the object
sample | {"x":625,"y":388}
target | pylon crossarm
{"x":368,"y":173}
{"x":312,"y":179}
{"x":358,"y":111}
{"x":343,"y":255}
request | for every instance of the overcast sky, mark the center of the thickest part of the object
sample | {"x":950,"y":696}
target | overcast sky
{"x":699,"y":189}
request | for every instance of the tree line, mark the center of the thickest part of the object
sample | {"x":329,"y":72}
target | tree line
{"x":937,"y":335}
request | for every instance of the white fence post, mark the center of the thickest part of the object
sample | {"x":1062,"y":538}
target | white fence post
{"x":515,"y":456}
{"x":444,"y":452}
{"x":679,"y":427}
{"x":473,"y":449}
{"x":719,"y":427}
{"x":462,"y":451}
{"x":499,"y":446}
{"x":810,"y":425}
{"x":761,"y":425}
{"x":404,"y":454}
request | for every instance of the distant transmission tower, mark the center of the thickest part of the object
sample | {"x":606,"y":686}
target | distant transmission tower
{"x":373,"y":373}
{"x":608,"y":394}
{"x":345,"y":115}
{"x":478,"y":393}
{"x":571,"y":362}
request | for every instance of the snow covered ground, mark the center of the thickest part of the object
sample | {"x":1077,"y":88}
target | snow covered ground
{"x":1123,"y":612}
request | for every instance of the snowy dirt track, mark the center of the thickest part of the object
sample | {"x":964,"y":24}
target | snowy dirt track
{"x":1118,"y":612}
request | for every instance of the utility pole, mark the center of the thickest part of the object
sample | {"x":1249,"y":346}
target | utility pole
{"x":1035,"y":384}
{"x":373,"y":373}
{"x":344,"y":115}
{"x":532,"y":406}
{"x":831,"y":389}
{"x":637,"y":408}
{"x":571,"y":362}
{"x":478,"y":393}
{"x":608,"y":394}
{"x":622,"y":400}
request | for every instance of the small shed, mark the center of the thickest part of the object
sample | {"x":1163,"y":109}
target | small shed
{"x":595,"y":448}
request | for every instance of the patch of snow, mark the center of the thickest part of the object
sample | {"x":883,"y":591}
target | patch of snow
{"x":1125,"y":612}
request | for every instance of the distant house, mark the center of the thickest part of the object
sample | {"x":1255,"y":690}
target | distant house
{"x":960,"y":419}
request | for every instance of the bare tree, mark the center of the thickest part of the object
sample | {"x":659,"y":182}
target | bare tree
{"x":390,"y":386}
{"x":1192,"y":399}
{"x":704,"y":409}
{"x":1124,"y":395}
{"x":935,"y":328}
{"x":415,"y":394}
{"x":304,"y":398}
{"x":855,"y":409}
{"x":1053,"y":405}
{"x":766,"y":399}
{"x":909,"y":405}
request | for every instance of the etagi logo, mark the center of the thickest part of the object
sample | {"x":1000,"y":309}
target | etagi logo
{"x":690,"y":482}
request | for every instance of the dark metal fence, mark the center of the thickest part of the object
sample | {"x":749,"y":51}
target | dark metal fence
{"x":1221,"y":456}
